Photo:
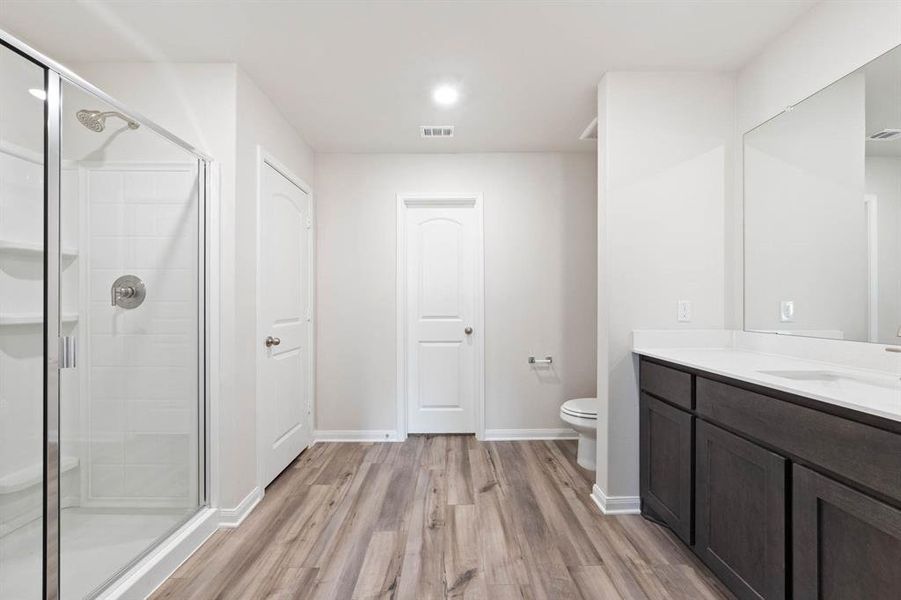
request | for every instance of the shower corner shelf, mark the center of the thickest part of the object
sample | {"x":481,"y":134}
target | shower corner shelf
{"x":31,"y":249}
{"x":32,"y":318}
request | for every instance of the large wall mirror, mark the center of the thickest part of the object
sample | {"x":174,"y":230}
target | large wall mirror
{"x":822,"y":212}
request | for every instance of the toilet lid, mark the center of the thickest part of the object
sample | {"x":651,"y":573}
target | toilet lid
{"x":587,"y":408}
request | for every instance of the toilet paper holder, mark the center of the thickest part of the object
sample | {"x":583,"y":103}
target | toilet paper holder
{"x":541,"y":361}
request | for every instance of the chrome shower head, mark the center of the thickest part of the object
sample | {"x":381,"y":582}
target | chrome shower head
{"x":95,"y":120}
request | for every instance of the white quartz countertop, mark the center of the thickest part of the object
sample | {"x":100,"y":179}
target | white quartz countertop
{"x":874,"y":392}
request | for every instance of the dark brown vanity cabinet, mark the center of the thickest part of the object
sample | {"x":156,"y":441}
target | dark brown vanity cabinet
{"x":665,"y":455}
{"x":740,"y":507}
{"x":846,"y":545}
{"x":781,"y":496}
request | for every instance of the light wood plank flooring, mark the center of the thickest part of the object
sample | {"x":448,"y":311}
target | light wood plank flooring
{"x":439,"y":517}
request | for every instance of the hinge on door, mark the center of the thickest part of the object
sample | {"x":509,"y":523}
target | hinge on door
{"x":68,"y":352}
{"x":309,"y":221}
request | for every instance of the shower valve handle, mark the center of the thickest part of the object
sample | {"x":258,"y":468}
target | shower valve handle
{"x":125,"y":291}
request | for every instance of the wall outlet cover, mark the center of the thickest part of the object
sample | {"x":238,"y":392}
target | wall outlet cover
{"x":787,"y":311}
{"x":684,"y":311}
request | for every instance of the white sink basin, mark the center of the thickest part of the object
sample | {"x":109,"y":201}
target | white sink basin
{"x":806,"y":375}
{"x":835,"y":377}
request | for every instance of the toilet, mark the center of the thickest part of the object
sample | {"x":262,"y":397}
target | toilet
{"x":582,"y":415}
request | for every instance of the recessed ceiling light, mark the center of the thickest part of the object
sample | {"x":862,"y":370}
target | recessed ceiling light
{"x":445,"y":95}
{"x":38,"y":93}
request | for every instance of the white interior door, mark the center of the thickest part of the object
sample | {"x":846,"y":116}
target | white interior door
{"x":441,"y":330}
{"x":285,"y":322}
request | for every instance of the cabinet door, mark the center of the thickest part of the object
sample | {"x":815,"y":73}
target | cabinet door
{"x":846,"y":545}
{"x":740,"y":513}
{"x":665,"y":455}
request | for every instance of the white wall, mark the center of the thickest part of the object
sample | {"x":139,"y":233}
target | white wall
{"x":539,"y":222}
{"x":828,"y":42}
{"x":665,"y":155}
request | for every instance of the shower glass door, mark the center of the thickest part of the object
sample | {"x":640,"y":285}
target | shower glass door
{"x":102,"y":333}
{"x":22,"y":91}
{"x":131,"y":291}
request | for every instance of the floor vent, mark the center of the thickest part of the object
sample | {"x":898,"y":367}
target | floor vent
{"x":885,"y":135}
{"x":436,"y":131}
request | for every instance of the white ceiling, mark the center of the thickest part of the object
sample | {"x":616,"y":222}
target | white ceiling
{"x":356,"y":76}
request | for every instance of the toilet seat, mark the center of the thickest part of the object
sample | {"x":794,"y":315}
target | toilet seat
{"x":584,"y":408}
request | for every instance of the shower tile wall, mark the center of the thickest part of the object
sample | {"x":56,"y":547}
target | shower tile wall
{"x":142,"y":366}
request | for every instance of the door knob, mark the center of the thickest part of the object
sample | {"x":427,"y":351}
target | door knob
{"x":272,"y":341}
{"x":468,"y":331}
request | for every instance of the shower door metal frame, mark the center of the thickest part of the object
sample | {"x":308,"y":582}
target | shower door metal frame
{"x":52,"y":162}
{"x":55,"y":75}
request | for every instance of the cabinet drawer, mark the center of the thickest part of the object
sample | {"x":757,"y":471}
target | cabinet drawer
{"x":861,"y":453}
{"x":666,"y":383}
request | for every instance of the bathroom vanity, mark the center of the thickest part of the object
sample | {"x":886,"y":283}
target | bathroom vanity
{"x":775,"y":452}
{"x":783,"y":475}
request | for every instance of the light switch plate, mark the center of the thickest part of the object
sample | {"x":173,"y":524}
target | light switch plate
{"x":684,"y":311}
{"x":787,"y":311}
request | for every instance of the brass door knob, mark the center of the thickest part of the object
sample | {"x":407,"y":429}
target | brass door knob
{"x":272,"y":341}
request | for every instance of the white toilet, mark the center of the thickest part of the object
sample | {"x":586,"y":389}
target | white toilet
{"x":582,"y":415}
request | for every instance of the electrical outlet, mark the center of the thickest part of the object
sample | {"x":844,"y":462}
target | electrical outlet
{"x":787,"y":311}
{"x":683,"y":313}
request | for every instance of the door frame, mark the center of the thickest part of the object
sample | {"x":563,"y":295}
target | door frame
{"x":871,"y":204}
{"x":437,"y":200}
{"x":264,"y":158}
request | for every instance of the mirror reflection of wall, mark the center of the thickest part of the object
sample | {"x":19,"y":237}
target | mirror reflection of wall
{"x":823,"y":212}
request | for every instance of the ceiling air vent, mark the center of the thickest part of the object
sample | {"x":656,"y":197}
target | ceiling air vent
{"x":885,"y":135}
{"x":436,"y":131}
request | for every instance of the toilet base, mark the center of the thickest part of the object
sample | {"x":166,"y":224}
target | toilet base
{"x":587,"y":454}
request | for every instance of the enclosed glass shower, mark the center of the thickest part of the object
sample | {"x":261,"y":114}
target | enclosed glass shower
{"x":102,"y":333}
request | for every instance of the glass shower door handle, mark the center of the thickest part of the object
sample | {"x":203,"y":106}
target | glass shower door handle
{"x":68,"y":352}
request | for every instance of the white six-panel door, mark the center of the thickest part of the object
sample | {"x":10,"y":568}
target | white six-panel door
{"x":442,"y":256}
{"x":285,"y":305}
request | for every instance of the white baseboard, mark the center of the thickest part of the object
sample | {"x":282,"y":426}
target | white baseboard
{"x":141,"y":580}
{"x":232,"y":517}
{"x":355,"y":435}
{"x":615,"y":505}
{"x":497,"y":435}
{"x":389,"y":435}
